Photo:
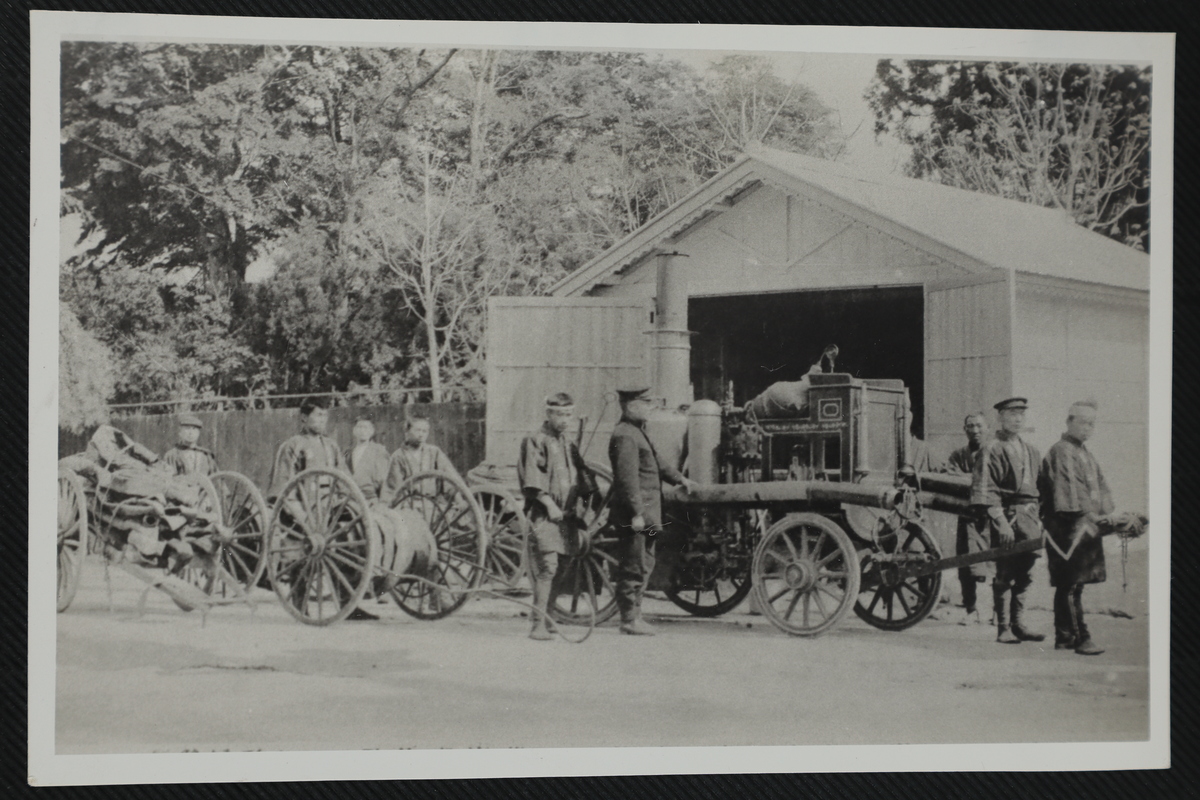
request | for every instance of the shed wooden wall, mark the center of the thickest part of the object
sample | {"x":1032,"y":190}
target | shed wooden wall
{"x":536,"y":346}
{"x":968,"y":355}
{"x":1073,"y":344}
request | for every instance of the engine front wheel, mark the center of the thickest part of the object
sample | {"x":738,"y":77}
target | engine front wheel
{"x":806,"y":574}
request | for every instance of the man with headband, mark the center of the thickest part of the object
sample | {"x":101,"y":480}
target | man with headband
{"x":554,"y":480}
{"x":1074,"y":496}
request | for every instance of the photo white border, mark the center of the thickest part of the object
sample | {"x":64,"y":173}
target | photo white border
{"x":48,"y":29}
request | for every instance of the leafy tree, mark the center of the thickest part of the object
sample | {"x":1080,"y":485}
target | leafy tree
{"x":385,"y":193}
{"x":1069,"y":136}
{"x":85,"y":375}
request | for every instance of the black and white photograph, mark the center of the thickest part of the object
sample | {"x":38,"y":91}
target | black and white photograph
{"x":484,"y":399}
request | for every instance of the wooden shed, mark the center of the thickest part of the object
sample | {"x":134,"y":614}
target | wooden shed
{"x":969,"y":298}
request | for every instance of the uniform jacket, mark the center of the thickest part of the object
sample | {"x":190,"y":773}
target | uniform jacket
{"x":1006,"y":472}
{"x":550,"y":465}
{"x":962,"y":461}
{"x":637,"y":476}
{"x":1072,"y":489}
{"x":1070,"y":480}
{"x":369,"y":469}
{"x":186,"y":459}
{"x":303,"y":451}
{"x":408,"y":461}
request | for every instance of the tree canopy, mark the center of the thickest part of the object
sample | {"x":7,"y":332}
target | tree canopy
{"x":1069,"y":136}
{"x":290,"y":219}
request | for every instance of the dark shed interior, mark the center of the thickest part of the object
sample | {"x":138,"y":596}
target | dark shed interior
{"x":758,"y":339}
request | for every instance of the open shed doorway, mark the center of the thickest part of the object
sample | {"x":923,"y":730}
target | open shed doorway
{"x":757,"y":339}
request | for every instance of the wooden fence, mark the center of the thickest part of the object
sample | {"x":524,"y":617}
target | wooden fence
{"x":245,"y":441}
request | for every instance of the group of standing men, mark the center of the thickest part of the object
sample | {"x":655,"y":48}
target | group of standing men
{"x":556,"y":483}
{"x":1015,"y":493}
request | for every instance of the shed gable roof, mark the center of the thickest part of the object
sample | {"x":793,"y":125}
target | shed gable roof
{"x":972,"y":229}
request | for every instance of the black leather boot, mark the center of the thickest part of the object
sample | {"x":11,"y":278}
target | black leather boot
{"x":1004,"y":634}
{"x":1018,"y":628}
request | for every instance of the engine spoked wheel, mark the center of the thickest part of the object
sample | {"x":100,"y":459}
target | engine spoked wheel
{"x":806,"y":574}
{"x":714,"y":572}
{"x":888,"y":600}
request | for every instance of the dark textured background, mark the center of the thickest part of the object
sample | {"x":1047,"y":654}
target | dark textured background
{"x":1113,"y":15}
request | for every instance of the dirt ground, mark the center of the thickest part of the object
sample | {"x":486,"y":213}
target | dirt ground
{"x":160,"y":681}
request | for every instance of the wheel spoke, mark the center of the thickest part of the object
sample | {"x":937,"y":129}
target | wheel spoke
{"x":804,"y":615}
{"x":816,"y":596}
{"x":777,"y":595}
{"x":875,"y":600}
{"x":816,"y":550}
{"x":904,"y":604}
{"x":787,"y":540}
{"x":825,"y":560}
{"x":792,"y":605}
{"x":345,"y":582}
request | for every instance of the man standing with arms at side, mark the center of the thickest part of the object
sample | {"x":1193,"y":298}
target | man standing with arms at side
{"x":1004,"y":497}
{"x":1074,"y":497}
{"x":636,"y":504}
{"x":971,"y":537}
{"x":186,"y":458}
{"x":553,"y":478}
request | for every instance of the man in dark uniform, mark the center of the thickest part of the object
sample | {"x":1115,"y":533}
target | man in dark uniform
{"x":636,"y":504}
{"x":1074,"y":497}
{"x":554,"y":478}
{"x":309,"y":449}
{"x":186,"y":457}
{"x":971,"y":537}
{"x":1004,"y":497}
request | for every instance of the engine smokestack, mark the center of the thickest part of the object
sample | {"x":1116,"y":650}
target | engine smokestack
{"x":672,"y":339}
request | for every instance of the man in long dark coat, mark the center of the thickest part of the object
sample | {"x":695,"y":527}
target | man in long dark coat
{"x":1074,"y":497}
{"x":636,"y":504}
{"x":554,"y":480}
{"x":1004,"y":497}
{"x":971,"y":537}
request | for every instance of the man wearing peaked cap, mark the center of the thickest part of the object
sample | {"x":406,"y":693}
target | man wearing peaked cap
{"x":1012,"y":403}
{"x":636,"y":504}
{"x":186,"y":458}
{"x":1004,"y":501}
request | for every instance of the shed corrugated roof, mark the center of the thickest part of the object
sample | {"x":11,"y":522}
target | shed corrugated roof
{"x":991,"y":230}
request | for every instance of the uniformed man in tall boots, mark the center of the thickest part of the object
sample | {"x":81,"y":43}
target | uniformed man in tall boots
{"x":186,"y":457}
{"x":1005,"y":498}
{"x":554,"y":479}
{"x":1075,"y":497}
{"x":636,"y":504}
